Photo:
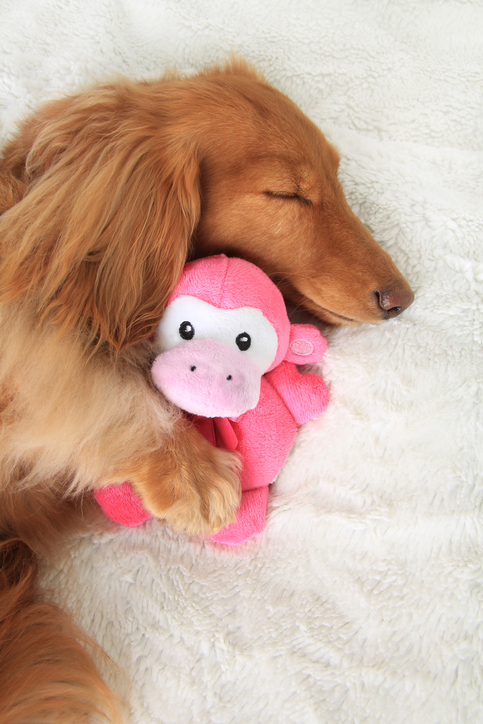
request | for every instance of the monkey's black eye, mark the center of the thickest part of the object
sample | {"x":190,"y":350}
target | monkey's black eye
{"x":186,"y":330}
{"x":243,"y":341}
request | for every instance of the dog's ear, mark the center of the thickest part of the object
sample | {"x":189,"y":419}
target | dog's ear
{"x":101,"y":235}
{"x":11,"y":190}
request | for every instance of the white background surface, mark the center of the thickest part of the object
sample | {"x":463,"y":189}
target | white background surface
{"x":362,"y":602}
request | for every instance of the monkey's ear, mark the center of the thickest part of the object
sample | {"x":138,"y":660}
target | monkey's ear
{"x":307,"y":345}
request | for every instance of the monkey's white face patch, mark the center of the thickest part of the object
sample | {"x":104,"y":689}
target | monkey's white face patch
{"x":245,"y":329}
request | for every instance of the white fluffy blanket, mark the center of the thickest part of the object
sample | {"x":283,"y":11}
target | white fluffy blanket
{"x":362,"y":602}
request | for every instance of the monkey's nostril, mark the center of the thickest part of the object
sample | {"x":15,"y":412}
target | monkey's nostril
{"x":229,"y":377}
{"x":193,"y":368}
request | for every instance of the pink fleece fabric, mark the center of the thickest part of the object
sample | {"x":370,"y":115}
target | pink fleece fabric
{"x":264,"y":435}
{"x":121,"y":504}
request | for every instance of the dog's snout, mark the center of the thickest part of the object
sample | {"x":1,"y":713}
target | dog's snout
{"x":393,"y":301}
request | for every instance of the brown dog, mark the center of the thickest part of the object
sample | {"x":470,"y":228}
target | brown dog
{"x":105,"y":195}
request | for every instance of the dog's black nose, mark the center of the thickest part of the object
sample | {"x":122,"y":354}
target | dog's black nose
{"x":394,"y":300}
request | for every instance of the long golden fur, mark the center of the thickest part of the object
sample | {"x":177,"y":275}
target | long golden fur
{"x":104,"y":196}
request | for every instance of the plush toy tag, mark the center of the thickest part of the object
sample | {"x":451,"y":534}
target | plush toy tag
{"x":307,"y":345}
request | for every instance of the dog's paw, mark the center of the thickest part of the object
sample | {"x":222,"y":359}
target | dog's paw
{"x":189,"y":483}
{"x":208,"y":495}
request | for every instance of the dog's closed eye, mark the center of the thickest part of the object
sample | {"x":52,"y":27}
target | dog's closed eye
{"x":288,"y":195}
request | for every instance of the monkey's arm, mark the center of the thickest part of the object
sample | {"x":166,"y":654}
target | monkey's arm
{"x":306,"y":396}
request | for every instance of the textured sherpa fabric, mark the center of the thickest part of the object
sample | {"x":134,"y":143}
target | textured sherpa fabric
{"x":362,"y":600}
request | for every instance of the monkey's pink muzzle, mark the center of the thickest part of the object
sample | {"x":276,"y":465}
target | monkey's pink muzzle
{"x":208,"y":378}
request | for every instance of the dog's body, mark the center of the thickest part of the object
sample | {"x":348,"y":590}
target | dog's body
{"x":105,"y":195}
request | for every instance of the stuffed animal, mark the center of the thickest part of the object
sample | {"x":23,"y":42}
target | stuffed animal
{"x":228,"y":356}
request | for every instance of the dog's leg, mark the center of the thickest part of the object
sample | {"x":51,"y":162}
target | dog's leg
{"x":190,"y":483}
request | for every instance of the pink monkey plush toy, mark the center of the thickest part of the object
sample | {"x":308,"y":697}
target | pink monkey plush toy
{"x":228,"y":356}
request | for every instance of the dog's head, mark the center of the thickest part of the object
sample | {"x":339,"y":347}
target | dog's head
{"x":117,"y":186}
{"x":271,"y":194}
